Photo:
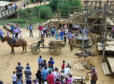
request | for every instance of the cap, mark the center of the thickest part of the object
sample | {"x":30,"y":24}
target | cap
{"x":93,"y":68}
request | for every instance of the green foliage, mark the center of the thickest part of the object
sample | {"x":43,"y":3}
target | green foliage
{"x":64,"y":7}
{"x":45,"y":12}
{"x":20,"y":21}
{"x":23,"y":14}
{"x":76,"y":3}
{"x":54,"y":4}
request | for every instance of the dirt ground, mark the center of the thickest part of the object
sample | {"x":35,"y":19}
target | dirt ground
{"x":8,"y":62}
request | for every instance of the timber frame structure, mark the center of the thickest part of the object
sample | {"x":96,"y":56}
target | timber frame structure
{"x":92,"y":14}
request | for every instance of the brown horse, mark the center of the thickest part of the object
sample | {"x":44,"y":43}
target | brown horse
{"x":20,"y":43}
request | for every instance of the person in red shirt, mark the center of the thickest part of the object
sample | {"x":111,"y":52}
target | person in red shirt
{"x":40,"y":28}
{"x":50,"y":78}
{"x":63,"y":65}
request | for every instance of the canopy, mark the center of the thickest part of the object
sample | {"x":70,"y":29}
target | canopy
{"x":4,"y":3}
{"x":76,"y":26}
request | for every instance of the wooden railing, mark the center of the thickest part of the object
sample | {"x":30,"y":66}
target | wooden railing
{"x":8,"y":12}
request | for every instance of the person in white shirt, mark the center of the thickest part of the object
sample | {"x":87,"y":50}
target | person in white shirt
{"x":14,"y":78}
{"x":56,"y":73}
{"x":67,"y":71}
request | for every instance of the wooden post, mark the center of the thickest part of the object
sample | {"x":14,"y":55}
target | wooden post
{"x":17,"y":15}
{"x":105,"y":32}
{"x":39,"y":16}
{"x":100,"y":4}
{"x":86,"y":25}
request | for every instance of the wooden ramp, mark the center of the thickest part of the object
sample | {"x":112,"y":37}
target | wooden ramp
{"x":105,"y":68}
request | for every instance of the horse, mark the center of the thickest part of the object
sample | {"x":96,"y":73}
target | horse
{"x":20,"y":43}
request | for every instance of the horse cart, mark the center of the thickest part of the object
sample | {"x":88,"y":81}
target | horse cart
{"x":54,"y":47}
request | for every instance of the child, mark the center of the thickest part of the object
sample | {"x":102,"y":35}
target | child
{"x":70,"y":79}
{"x":58,"y":81}
{"x":14,"y":77}
{"x":63,"y":65}
{"x":68,"y":65}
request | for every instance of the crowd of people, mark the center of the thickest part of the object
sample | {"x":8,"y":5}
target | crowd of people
{"x":47,"y":73}
{"x":16,"y":33}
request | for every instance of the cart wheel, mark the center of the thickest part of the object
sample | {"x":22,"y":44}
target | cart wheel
{"x":55,"y":51}
{"x":35,"y":49}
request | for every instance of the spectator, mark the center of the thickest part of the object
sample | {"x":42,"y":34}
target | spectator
{"x":53,"y":31}
{"x":1,"y":82}
{"x":27,"y":65}
{"x":30,"y":30}
{"x":19,"y":69}
{"x":68,"y":65}
{"x":38,"y":76}
{"x":56,"y":73}
{"x":62,"y":74}
{"x":27,"y":73}
{"x":1,"y":34}
{"x":40,"y":28}
{"x":44,"y":64}
{"x":62,"y":80}
{"x":14,"y":78}
{"x":19,"y":80}
{"x":58,"y":81}
{"x":29,"y":81}
{"x":70,"y":36}
{"x":35,"y":82}
{"x":63,"y":65}
{"x":51,"y":64}
{"x":62,"y":35}
{"x":70,"y":79}
{"x":40,"y":60}
{"x":44,"y":73}
{"x":67,"y":71}
{"x":44,"y":31}
{"x":56,"y":35}
{"x":50,"y":78}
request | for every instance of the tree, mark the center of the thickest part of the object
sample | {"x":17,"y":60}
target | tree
{"x":54,"y":4}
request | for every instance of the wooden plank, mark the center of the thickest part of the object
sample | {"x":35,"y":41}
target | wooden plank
{"x":109,"y":46}
{"x":105,"y":68}
{"x":111,"y":63}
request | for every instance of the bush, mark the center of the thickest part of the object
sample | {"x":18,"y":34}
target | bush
{"x":45,"y":12}
{"x":23,"y":14}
